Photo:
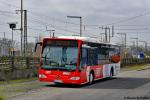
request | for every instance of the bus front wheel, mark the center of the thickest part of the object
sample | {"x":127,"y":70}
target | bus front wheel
{"x":91,"y":78}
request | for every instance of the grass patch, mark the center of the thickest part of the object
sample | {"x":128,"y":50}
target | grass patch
{"x":18,"y":81}
{"x":1,"y":98}
{"x":15,"y":87}
{"x":136,"y":67}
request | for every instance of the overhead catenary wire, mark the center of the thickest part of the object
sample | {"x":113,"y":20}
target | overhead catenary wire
{"x":9,"y":4}
{"x":38,"y":15}
{"x":88,"y":26}
{"x":7,"y":12}
{"x":130,"y":18}
{"x":120,"y":21}
{"x":50,"y":25}
{"x":133,"y":29}
{"x":47,"y":17}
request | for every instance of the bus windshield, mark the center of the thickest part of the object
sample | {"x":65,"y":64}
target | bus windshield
{"x":61,"y":57}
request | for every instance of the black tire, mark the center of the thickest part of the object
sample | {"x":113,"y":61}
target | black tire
{"x":111,"y":73}
{"x":91,"y":78}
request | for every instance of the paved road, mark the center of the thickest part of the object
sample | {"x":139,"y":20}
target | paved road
{"x":129,"y":85}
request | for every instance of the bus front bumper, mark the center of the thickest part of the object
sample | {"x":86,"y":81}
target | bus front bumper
{"x":71,"y":80}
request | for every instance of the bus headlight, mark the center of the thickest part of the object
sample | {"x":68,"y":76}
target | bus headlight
{"x":42,"y":76}
{"x":74,"y":78}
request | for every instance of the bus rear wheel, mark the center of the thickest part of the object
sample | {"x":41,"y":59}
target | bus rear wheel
{"x":111,"y":73}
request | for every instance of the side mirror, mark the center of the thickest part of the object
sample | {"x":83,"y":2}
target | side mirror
{"x":35,"y":47}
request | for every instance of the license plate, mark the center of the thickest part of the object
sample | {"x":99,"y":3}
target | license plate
{"x":57,"y":81}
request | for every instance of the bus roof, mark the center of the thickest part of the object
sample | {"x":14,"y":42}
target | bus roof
{"x":87,"y":39}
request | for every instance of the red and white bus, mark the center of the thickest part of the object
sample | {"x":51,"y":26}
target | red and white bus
{"x":77,"y":60}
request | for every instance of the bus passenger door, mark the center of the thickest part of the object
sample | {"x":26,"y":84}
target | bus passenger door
{"x":83,"y":65}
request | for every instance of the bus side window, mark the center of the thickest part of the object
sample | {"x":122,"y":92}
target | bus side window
{"x":83,"y":57}
{"x":103,"y":56}
{"x":92,"y":57}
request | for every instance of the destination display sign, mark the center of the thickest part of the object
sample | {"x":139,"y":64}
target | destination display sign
{"x":61,"y":43}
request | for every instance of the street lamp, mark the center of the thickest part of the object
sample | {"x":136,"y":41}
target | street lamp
{"x":125,"y":43}
{"x":12,"y":25}
{"x":80,"y":22}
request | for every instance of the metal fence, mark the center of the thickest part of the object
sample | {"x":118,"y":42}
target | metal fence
{"x":13,"y":63}
{"x":18,"y":67}
{"x":134,"y":61}
{"x":16,"y":63}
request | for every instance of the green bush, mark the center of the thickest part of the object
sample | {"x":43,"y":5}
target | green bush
{"x":1,"y":98}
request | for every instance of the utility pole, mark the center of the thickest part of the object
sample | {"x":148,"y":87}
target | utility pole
{"x":125,"y":39}
{"x":106,"y":34}
{"x":113,"y":31}
{"x":25,"y":32}
{"x":102,"y":37}
{"x":147,"y":47}
{"x":50,"y":32}
{"x":80,"y":26}
{"x":136,"y":44}
{"x":21,"y":23}
{"x":109,"y":33}
{"x":132,"y":47}
{"x":53,"y":34}
{"x":4,"y":35}
{"x":145,"y":43}
{"x":21,"y":27}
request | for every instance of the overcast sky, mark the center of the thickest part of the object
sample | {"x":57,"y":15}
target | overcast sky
{"x":95,"y":13}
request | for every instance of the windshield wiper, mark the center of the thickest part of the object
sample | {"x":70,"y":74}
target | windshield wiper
{"x":53,"y":63}
{"x":45,"y":58}
{"x":62,"y":67}
{"x":70,"y":64}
